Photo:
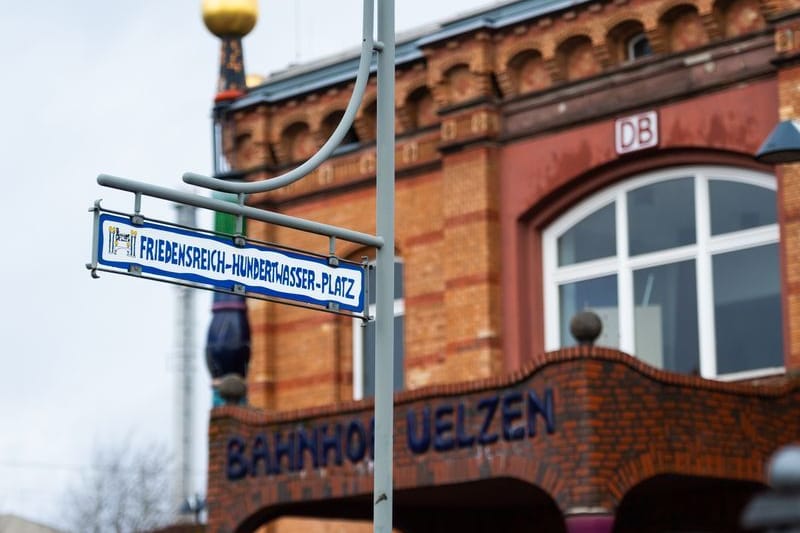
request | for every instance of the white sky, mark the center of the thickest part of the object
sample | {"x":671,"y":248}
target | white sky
{"x":123,"y":88}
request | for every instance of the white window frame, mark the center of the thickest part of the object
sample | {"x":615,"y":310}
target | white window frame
{"x":631,"y":46}
{"x":358,"y":340}
{"x":623,"y":266}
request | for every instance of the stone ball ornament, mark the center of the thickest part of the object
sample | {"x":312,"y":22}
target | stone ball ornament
{"x":230,"y":18}
{"x":232,"y":388}
{"x":784,"y":469}
{"x":586,"y":327}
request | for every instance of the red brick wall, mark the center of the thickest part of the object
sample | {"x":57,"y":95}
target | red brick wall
{"x":617,"y":423}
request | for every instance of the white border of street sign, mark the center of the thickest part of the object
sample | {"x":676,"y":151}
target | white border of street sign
{"x":189,"y":256}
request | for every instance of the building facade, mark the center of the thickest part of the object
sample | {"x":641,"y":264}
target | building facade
{"x":551,"y":157}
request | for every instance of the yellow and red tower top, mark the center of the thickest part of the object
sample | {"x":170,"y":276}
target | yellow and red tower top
{"x":230,"y":20}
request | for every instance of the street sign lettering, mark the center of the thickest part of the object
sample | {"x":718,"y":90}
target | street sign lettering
{"x":191,"y":256}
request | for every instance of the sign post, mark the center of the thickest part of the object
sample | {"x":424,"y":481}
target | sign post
{"x":383,"y":498}
{"x":135,"y":246}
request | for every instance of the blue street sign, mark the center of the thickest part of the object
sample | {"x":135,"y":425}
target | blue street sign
{"x":189,"y":256}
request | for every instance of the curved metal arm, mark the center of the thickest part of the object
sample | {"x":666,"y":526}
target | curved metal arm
{"x":367,"y":47}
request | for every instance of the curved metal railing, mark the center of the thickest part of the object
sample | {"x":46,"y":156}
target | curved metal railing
{"x":368,"y":46}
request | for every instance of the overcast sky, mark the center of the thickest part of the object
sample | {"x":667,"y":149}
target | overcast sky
{"x":121,"y":87}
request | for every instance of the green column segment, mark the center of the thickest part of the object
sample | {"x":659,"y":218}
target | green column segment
{"x":225,"y":223}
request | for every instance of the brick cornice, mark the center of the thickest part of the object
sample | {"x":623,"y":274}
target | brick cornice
{"x":252,"y":416}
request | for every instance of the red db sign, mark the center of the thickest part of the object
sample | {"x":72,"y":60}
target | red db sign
{"x":636,"y":132}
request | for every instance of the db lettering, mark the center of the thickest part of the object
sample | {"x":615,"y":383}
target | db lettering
{"x":636,"y":132}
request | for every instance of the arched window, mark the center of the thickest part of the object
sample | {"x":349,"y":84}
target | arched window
{"x":330,"y":123}
{"x":682,"y":267}
{"x":364,"y":339}
{"x":638,"y":47}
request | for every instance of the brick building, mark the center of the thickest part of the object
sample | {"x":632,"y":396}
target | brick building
{"x":551,"y":156}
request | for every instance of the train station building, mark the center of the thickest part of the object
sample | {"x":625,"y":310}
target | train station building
{"x":551,"y":157}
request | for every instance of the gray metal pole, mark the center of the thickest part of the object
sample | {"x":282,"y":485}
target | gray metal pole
{"x":384,"y":313}
{"x":184,"y":381}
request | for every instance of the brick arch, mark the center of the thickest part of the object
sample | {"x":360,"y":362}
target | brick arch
{"x":366,"y":118}
{"x":736,"y":17}
{"x":286,"y":148}
{"x":595,"y":34}
{"x":416,"y":508}
{"x":619,"y":33}
{"x":685,"y":26}
{"x":322,"y":113}
{"x":578,"y":56}
{"x":543,"y":46}
{"x":666,"y":8}
{"x":370,"y":100}
{"x":456,"y":84}
{"x":407,"y":83}
{"x":583,"y":185}
{"x":407,"y":112}
{"x":438,"y":74}
{"x":685,"y":502}
{"x":329,"y":122}
{"x":629,"y":15}
{"x":416,"y":80}
{"x":525,"y":72}
{"x":661,"y":462}
{"x":286,"y":117}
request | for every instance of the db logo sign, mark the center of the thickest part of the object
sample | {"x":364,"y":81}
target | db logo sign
{"x":636,"y":132}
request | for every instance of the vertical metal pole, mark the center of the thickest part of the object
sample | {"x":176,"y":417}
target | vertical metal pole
{"x":184,"y":383}
{"x":384,"y":313}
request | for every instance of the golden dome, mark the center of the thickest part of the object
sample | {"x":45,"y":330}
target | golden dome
{"x":230,"y":18}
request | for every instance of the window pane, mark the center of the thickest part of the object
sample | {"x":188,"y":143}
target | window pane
{"x":591,"y":238}
{"x":665,"y":317}
{"x":737,"y":206}
{"x":399,"y":342}
{"x":661,"y":216}
{"x":372,"y":284}
{"x":398,"y":282}
{"x":368,"y":364}
{"x":639,"y":46}
{"x":599,"y":295}
{"x":368,"y":337}
{"x":747,"y":309}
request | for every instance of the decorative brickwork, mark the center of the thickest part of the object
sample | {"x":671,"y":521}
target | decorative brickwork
{"x":585,"y":425}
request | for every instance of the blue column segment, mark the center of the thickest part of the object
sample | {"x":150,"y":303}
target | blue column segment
{"x":228,"y":341}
